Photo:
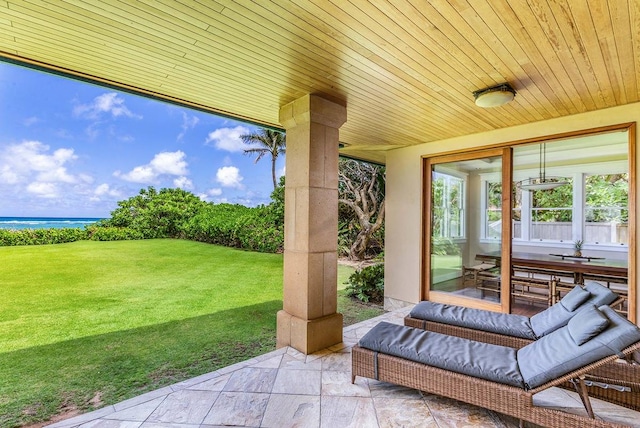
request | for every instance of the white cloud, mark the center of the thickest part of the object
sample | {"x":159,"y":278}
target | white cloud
{"x":86,"y":178}
{"x":63,"y":133}
{"x":228,"y":139}
{"x":245,"y":201}
{"x":139,"y":174}
{"x":59,"y":174}
{"x":43,"y":190}
{"x":102,"y":191}
{"x":164,"y":163}
{"x":8,"y":175}
{"x":92,"y":131}
{"x":229,"y":176}
{"x":171,"y":163}
{"x":183,"y":183}
{"x":30,"y":121}
{"x":214,"y":192}
{"x":32,"y":160}
{"x":108,"y":103}
{"x":188,"y":122}
{"x":105,"y":189}
{"x":42,"y":178}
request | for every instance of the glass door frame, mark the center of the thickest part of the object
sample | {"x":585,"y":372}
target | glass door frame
{"x":505,"y":149}
{"x":506,"y":155}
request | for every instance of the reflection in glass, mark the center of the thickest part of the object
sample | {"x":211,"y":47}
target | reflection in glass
{"x":466,"y":221}
{"x":587,"y":217}
{"x":592,"y":207}
{"x":552,"y":213}
{"x":606,"y":209}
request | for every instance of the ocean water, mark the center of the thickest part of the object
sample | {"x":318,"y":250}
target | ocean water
{"x":45,"y":222}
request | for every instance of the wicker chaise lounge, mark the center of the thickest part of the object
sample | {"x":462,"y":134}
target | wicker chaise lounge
{"x":510,"y":330}
{"x":617,"y":382}
{"x":495,"y":377}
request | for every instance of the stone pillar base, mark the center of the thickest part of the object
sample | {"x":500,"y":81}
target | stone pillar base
{"x":308,"y":336}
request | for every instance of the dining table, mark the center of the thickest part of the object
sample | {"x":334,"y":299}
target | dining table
{"x":565,"y":264}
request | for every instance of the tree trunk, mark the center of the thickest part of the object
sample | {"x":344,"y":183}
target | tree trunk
{"x":361,"y":188}
{"x":359,"y":247}
{"x":273,"y":172}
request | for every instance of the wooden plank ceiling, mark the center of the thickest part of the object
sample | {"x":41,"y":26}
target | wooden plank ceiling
{"x":406,"y":69}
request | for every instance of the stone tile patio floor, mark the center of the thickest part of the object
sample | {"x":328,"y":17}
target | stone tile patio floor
{"x":286,"y":388}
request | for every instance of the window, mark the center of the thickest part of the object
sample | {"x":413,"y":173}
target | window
{"x":592,"y":207}
{"x":559,"y":215}
{"x":516,"y":213}
{"x":448,"y":206}
{"x":493,"y":211}
{"x":552,"y":213}
{"x":606,"y":212}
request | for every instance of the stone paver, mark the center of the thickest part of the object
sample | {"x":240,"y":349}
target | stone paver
{"x":286,"y":388}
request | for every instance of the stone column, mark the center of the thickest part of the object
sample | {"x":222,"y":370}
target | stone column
{"x":309,"y":320}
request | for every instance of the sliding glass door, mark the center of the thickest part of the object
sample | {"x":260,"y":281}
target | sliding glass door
{"x":516,"y":228}
{"x":466,"y":226}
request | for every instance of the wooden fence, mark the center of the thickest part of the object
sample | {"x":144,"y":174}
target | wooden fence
{"x":594,"y":232}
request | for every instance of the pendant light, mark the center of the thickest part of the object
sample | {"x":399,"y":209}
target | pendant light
{"x":542,"y":182}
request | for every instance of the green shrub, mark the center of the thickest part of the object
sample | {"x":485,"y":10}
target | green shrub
{"x":367,"y":284}
{"x":156,"y":214}
{"x":257,"y":231}
{"x":215,"y":224}
{"x":175,"y":213}
{"x":237,"y":226}
{"x":444,"y":247}
{"x":107,"y":233}
{"x":41,"y":236}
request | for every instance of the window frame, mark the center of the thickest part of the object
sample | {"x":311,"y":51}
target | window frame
{"x":505,"y":154}
{"x":464,"y":180}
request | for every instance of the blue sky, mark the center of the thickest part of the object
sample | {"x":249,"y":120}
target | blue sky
{"x":73,"y":149}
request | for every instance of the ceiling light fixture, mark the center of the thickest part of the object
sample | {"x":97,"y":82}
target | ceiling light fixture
{"x":542,"y":182}
{"x":494,"y":96}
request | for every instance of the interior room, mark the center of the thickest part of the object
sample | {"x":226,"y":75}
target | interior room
{"x":569,"y":200}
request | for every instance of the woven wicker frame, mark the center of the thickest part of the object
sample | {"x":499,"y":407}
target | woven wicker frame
{"x":615,"y":373}
{"x":494,"y":396}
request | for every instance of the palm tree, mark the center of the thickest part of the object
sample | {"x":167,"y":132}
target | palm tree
{"x":266,"y":141}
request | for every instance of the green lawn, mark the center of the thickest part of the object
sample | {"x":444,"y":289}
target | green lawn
{"x":91,"y":323}
{"x":352,"y":310}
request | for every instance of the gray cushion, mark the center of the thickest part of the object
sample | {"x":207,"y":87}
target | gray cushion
{"x":557,"y":354}
{"x":550,"y":320}
{"x":587,"y":324}
{"x":477,"y":319}
{"x":575,"y":298}
{"x":620,"y":334}
{"x":481,"y":360}
{"x":600,"y":295}
{"x":537,"y":326}
{"x":557,"y":316}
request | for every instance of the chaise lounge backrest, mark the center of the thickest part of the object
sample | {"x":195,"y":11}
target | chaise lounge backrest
{"x":592,"y":334}
{"x":558,"y":315}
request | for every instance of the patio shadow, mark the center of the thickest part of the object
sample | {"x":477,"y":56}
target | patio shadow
{"x":87,"y":373}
